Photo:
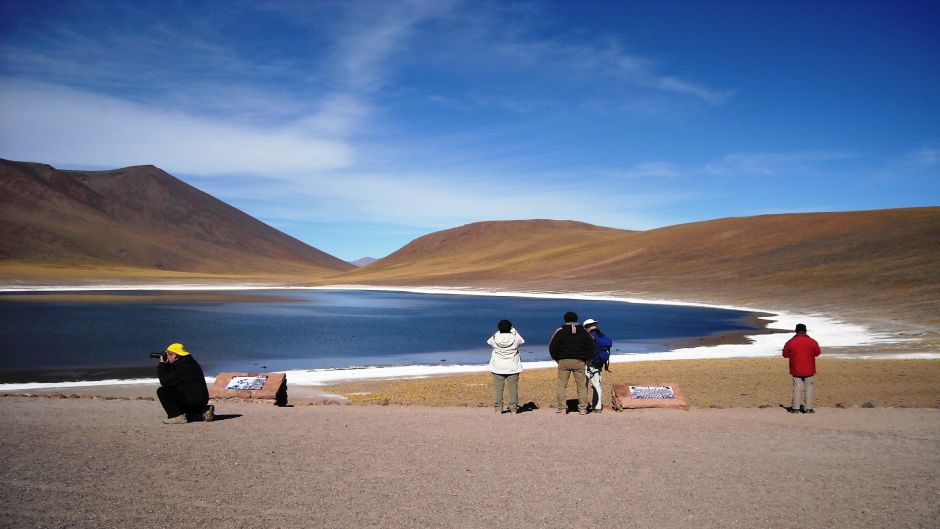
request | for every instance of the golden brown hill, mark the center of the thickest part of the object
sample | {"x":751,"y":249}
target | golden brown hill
{"x":484,"y":251}
{"x":136,"y":222}
{"x":875,"y":265}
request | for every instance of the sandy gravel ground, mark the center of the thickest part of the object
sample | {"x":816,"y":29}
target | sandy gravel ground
{"x":112,"y":463}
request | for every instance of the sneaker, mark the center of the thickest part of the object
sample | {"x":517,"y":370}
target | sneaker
{"x":209,"y":414}
{"x":802,"y":409}
{"x":793,"y":410}
{"x":179,"y":419}
{"x":811,"y":410}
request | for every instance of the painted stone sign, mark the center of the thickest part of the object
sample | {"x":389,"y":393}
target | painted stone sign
{"x":652,"y":392}
{"x":250,"y":386}
{"x":247,"y":383}
{"x":660,"y":395}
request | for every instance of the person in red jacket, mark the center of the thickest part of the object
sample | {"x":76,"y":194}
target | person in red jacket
{"x":802,"y":352}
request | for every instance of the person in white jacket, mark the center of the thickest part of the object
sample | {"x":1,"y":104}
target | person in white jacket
{"x":505,"y":364}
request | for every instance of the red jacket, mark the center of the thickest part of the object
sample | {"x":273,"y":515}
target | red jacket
{"x":802,"y":352}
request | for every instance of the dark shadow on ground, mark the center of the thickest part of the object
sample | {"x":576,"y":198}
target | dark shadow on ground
{"x":217,"y":417}
{"x":227,"y":416}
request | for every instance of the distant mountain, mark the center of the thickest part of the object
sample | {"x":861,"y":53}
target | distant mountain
{"x":137,"y":221}
{"x":363,"y":261}
{"x":879,"y":266}
{"x":882,"y":263}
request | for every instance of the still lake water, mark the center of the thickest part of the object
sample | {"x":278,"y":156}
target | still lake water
{"x":307,"y":329}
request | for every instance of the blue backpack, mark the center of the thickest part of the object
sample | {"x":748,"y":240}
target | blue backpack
{"x":602,"y":345}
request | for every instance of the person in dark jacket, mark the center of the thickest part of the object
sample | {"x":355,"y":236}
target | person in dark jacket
{"x":802,"y":352}
{"x":571,"y":346}
{"x":182,"y":390}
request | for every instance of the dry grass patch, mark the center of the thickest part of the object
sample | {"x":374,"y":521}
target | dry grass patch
{"x":721,"y":383}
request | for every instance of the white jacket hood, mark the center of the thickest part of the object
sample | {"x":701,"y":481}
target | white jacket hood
{"x":506,"y":359}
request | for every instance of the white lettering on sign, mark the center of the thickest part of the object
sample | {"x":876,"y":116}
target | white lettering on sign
{"x":652,"y":392}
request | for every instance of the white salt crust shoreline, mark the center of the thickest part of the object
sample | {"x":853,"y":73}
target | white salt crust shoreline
{"x":830,"y":332}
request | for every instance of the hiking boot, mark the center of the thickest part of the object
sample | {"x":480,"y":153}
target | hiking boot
{"x":209,"y":414}
{"x":179,"y":419}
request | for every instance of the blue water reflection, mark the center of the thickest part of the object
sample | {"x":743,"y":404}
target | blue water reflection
{"x":322,"y":328}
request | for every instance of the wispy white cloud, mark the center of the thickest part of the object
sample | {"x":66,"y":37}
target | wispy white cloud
{"x":647,"y":171}
{"x":63,"y":126}
{"x":372,"y":35}
{"x":516,"y":59}
{"x":924,"y":157}
{"x":772,"y":164}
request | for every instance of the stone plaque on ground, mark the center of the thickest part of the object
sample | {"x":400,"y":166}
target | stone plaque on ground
{"x":659,"y":395}
{"x":250,"y":386}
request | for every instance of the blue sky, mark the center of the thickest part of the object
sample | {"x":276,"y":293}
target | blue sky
{"x":359,"y":126}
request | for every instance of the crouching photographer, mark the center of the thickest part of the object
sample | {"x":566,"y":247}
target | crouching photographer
{"x":182,"y":392}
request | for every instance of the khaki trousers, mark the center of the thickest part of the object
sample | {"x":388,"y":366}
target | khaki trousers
{"x":566,"y":369}
{"x":513,"y":382}
{"x":801,"y":385}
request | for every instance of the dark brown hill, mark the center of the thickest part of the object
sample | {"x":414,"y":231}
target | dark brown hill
{"x":137,"y":221}
{"x":881,"y":264}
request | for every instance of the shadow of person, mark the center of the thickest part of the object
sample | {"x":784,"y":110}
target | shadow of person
{"x":571,"y":406}
{"x":527,"y":407}
{"x":217,"y":417}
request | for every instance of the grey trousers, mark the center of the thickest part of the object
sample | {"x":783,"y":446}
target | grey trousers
{"x":566,"y":369}
{"x":513,"y":382}
{"x":801,"y":384}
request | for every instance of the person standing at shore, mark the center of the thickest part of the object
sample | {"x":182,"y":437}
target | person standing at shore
{"x":802,"y":352}
{"x":505,"y":364}
{"x":571,"y":346}
{"x":598,"y":362}
{"x":182,"y":388}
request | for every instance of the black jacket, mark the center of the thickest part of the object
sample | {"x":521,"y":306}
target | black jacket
{"x":186,"y":374}
{"x":571,"y":341}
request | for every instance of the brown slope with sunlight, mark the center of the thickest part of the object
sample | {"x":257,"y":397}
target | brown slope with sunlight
{"x":878,"y":265}
{"x":136,"y":222}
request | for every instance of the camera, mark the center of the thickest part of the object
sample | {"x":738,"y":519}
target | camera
{"x":161,"y":356}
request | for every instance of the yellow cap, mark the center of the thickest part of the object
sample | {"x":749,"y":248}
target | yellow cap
{"x":177,"y":349}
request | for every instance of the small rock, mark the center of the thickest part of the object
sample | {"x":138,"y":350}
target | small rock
{"x":75,"y":396}
{"x":868,"y":404}
{"x":383,"y":402}
{"x":762,"y":406}
{"x":840,"y":405}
